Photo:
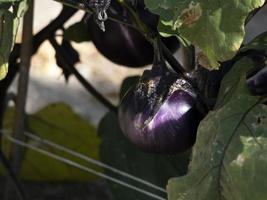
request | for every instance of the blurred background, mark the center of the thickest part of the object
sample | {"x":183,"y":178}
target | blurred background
{"x":47,"y":85}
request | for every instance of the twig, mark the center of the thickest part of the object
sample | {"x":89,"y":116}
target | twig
{"x":177,"y":67}
{"x":111,"y":15}
{"x":19,"y":120}
{"x":65,"y":14}
{"x":64,"y":58}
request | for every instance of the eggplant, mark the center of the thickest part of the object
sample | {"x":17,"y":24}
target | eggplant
{"x":159,"y":114}
{"x":122,"y":44}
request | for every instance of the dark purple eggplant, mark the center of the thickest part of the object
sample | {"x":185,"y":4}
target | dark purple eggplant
{"x":258,"y":82}
{"x":159,"y":114}
{"x":124,"y":45}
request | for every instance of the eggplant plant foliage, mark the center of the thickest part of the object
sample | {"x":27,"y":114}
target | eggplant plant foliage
{"x":9,"y":22}
{"x":216,"y":27}
{"x":229,"y":157}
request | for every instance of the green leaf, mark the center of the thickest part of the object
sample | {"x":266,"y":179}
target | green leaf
{"x":118,"y":152}
{"x":9,"y":22}
{"x":77,"y":33}
{"x":59,"y":124}
{"x":229,"y":158}
{"x":216,"y":27}
{"x":233,"y":83}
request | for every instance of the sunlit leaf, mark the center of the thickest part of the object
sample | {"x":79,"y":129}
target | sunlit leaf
{"x":9,"y":22}
{"x":216,"y":27}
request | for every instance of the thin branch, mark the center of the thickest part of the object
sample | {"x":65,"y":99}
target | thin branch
{"x":64,"y":58}
{"x":49,"y":30}
{"x":177,"y":67}
{"x":111,"y":16}
{"x":19,"y":120}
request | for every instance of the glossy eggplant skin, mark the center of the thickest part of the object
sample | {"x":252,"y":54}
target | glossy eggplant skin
{"x":120,"y":44}
{"x":159,"y":115}
{"x":124,"y":45}
{"x":258,"y":82}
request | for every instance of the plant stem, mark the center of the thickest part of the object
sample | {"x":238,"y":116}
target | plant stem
{"x":137,"y":24}
{"x":19,"y":121}
{"x":111,"y":16}
{"x":3,"y":158}
{"x":64,"y":59}
{"x":177,"y":67}
{"x":65,"y":14}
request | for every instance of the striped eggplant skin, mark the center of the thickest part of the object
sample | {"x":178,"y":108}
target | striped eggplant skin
{"x":121,"y":44}
{"x":159,"y":114}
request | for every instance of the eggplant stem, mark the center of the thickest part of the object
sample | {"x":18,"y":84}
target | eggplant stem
{"x":85,"y":83}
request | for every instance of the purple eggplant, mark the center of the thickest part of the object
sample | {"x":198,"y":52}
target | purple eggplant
{"x":159,"y":114}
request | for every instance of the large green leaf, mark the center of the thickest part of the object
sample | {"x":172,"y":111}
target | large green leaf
{"x":216,"y":27}
{"x":9,"y":22}
{"x":229,"y":158}
{"x":59,"y":124}
{"x":118,"y":152}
